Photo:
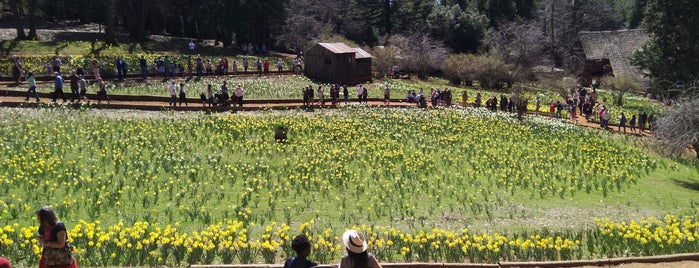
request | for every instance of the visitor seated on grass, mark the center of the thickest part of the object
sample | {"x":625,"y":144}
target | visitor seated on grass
{"x":302,"y":247}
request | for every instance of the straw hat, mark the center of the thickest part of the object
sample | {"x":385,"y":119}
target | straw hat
{"x":354,"y":241}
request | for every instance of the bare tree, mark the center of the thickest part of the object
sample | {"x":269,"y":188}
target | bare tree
{"x":518,"y":42}
{"x":419,"y":53}
{"x":679,"y":128}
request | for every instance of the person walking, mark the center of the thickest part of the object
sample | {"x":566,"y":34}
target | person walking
{"x":357,"y":255}
{"x":58,"y":87}
{"x":622,"y":122}
{"x":102,"y":93}
{"x":52,"y":235}
{"x":183,"y":95}
{"x":632,"y":124}
{"x":32,"y":86}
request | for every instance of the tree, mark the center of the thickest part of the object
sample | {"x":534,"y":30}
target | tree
{"x":461,"y":30}
{"x":110,"y":30}
{"x":419,"y":53}
{"x":518,"y":43}
{"x":136,"y":13}
{"x":671,"y":54}
{"x":679,"y":128}
{"x":32,"y":5}
{"x":565,"y":19}
{"x":17,"y":17}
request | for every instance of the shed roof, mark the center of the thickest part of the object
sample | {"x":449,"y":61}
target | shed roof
{"x":337,"y":48}
{"x":361,"y":54}
{"x":617,"y":47}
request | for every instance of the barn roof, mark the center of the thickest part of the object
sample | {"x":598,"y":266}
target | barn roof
{"x":361,"y":54}
{"x":337,"y":48}
{"x":617,"y":47}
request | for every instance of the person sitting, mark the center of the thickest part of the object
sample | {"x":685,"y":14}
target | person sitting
{"x":409,"y":97}
{"x":302,"y":246}
{"x":357,"y":256}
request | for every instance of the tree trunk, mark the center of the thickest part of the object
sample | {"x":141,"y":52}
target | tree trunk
{"x":84,"y":11}
{"x":387,"y":17}
{"x":696,"y":150}
{"x":137,"y":14}
{"x":32,"y":6}
{"x":14,"y":7}
{"x":110,"y":30}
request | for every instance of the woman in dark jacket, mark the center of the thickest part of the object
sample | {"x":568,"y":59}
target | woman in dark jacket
{"x":52,"y":234}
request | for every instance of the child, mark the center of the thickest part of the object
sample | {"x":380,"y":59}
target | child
{"x":302,"y":247}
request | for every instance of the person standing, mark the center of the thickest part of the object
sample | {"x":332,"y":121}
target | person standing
{"x":52,"y":234}
{"x":357,"y":256}
{"x":360,"y":93}
{"x":387,"y":95}
{"x":58,"y":87}
{"x":245,"y":65}
{"x":119,"y":67}
{"x":183,"y":95}
{"x":191,"y":47}
{"x":265,"y":64}
{"x":321,"y":96}
{"x":235,"y":67}
{"x":57,"y":64}
{"x":365,"y":95}
{"x":173,"y":93}
{"x":83,"y":88}
{"x":464,"y":99}
{"x":32,"y":86}
{"x":74,"y":80}
{"x":96,"y":69}
{"x":280,"y":64}
{"x":16,"y":69}
{"x":144,"y":68}
{"x":239,"y":95}
{"x":102,"y":93}
{"x":345,"y":94}
{"x":258,"y":63}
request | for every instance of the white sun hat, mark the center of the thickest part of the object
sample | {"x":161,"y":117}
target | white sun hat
{"x":354,"y":241}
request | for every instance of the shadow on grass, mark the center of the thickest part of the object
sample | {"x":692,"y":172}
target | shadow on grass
{"x":8,"y":45}
{"x":691,"y":185}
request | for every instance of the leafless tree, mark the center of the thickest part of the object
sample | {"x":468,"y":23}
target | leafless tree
{"x":679,"y":128}
{"x":419,"y":53}
{"x":518,"y":42}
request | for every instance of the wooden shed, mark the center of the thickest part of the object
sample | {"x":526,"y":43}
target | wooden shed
{"x":337,"y":63}
{"x":609,"y":53}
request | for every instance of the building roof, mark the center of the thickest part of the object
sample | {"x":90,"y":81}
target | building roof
{"x":617,"y":47}
{"x":337,"y":48}
{"x":361,"y":54}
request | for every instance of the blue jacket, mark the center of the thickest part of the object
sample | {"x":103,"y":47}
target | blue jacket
{"x":59,"y":82}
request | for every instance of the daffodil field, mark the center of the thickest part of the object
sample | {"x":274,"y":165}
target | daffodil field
{"x":170,"y":188}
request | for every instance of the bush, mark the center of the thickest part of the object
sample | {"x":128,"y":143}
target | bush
{"x":490,"y":71}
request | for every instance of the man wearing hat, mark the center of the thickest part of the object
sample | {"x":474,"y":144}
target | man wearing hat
{"x":357,"y":256}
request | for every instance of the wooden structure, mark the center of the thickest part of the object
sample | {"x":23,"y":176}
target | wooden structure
{"x":337,"y":63}
{"x":609,"y":53}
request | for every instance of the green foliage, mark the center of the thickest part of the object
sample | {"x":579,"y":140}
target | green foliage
{"x":461,"y":30}
{"x":671,"y":54}
{"x":621,"y":85}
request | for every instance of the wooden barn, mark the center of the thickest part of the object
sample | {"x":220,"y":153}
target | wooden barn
{"x":337,"y":63}
{"x":609,"y":53}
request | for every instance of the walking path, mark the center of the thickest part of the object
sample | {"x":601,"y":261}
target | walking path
{"x":15,"y":98}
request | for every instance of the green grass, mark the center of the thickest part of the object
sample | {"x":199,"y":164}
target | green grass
{"x":24,"y":48}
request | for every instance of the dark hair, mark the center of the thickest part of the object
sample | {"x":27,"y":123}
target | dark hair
{"x":47,"y":216}
{"x":300,"y":244}
{"x":358,"y":260}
